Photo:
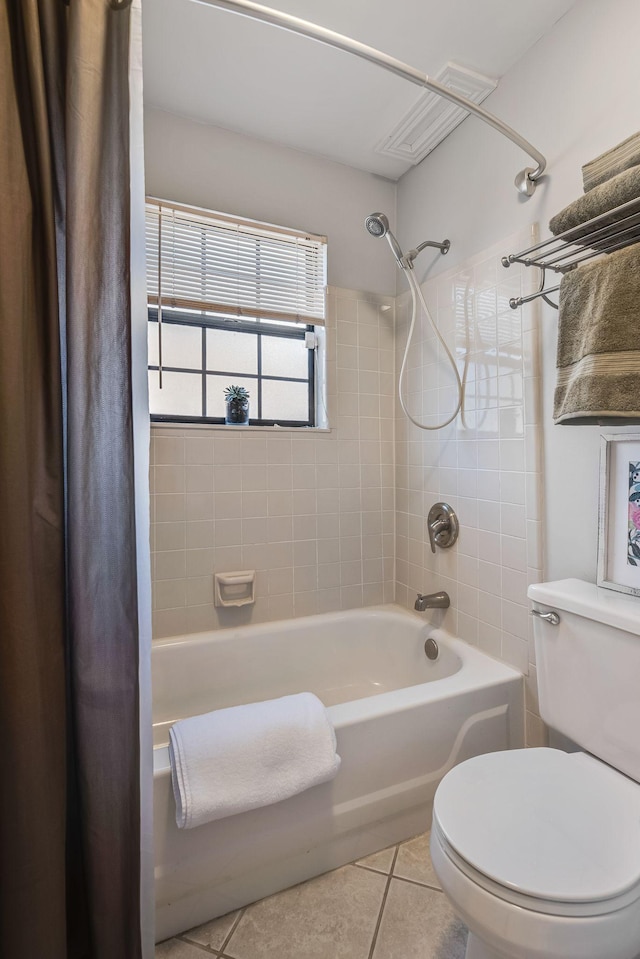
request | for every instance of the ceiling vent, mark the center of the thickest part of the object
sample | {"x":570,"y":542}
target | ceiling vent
{"x":432,"y":118}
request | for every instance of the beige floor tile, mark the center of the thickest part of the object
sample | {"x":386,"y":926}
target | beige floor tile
{"x":331,"y":917}
{"x":418,"y":923}
{"x":380,"y":861}
{"x":175,"y":949}
{"x":214,"y":933}
{"x":414,"y":862}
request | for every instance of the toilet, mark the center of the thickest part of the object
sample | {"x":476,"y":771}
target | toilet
{"x":538,"y":850}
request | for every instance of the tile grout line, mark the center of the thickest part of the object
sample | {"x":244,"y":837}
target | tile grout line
{"x":416,"y":882}
{"x":394,"y":875}
{"x":383,"y":903}
{"x":229,"y":935}
{"x":196,"y":945}
{"x":378,"y":872}
{"x":184,"y":937}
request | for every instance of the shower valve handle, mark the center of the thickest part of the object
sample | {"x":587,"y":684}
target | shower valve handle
{"x":443,"y":526}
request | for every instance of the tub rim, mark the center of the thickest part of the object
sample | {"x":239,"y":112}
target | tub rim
{"x":478,"y":670}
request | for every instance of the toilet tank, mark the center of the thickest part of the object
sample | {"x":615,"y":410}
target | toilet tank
{"x":588,"y":668}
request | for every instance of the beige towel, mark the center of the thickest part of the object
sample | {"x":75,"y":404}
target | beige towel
{"x":609,"y":164}
{"x":620,"y":189}
{"x":599,"y":342}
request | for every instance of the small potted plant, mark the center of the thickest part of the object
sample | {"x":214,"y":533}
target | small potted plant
{"x":237,"y":400}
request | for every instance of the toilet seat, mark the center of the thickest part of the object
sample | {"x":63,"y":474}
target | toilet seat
{"x":552,"y":832}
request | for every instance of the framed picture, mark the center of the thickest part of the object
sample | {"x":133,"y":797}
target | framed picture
{"x":619,"y":513}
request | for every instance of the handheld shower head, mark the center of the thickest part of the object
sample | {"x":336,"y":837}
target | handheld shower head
{"x":378,"y":225}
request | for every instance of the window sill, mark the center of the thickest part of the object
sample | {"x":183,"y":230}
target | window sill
{"x":222,"y":428}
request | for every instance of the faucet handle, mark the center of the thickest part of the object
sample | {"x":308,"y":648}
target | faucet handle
{"x":442,"y":525}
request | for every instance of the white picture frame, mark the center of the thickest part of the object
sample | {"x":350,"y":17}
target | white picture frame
{"x":618,"y":516}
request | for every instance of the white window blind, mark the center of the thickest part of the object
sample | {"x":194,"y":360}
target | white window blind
{"x":197,"y":260}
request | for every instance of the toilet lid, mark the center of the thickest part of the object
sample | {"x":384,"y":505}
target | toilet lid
{"x":549,"y":824}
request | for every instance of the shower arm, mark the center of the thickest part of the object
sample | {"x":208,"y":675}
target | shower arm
{"x":525,"y":181}
{"x":444,"y":248}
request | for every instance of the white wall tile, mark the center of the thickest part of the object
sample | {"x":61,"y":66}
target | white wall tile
{"x":487,"y":464}
{"x":490,"y":577}
{"x":514,"y":553}
{"x":200,"y":562}
{"x":200,"y":506}
{"x":512,"y":519}
{"x":169,"y":450}
{"x":198,"y":450}
{"x":329,"y":520}
{"x":198,"y":478}
{"x":313,"y":513}
{"x":226,"y":505}
{"x":170,"y":564}
{"x":169,"y":479}
{"x":169,"y":536}
{"x":169,"y":593}
{"x":199,"y":534}
{"x":169,"y":622}
{"x":169,"y":507}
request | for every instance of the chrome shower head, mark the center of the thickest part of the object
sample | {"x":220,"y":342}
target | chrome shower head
{"x":378,"y":225}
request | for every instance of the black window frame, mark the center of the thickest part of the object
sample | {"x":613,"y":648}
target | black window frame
{"x":205,"y":321}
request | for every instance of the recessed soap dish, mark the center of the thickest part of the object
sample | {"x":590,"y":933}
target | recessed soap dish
{"x":235,"y":589}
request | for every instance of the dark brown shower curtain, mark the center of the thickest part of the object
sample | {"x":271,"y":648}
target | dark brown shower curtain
{"x":69,"y":787}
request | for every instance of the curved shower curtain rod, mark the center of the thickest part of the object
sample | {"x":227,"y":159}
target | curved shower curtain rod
{"x":525,"y":181}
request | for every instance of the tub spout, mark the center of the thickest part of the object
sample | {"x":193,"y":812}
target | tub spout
{"x":432,"y":601}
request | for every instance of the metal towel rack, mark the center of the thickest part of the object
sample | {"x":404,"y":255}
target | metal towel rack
{"x":610,"y":231}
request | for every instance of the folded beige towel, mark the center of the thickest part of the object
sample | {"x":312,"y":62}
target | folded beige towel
{"x":599,"y":342}
{"x":621,"y":189}
{"x":609,"y":164}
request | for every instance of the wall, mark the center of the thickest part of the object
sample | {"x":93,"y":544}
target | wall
{"x":312,"y":512}
{"x":486,"y":464}
{"x":572,"y":111}
{"x":574,"y":95}
{"x":205,"y":166}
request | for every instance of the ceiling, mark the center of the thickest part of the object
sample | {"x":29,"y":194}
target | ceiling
{"x":252,"y":78}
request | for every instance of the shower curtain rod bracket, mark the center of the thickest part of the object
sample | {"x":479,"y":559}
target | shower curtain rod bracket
{"x":525,"y":181}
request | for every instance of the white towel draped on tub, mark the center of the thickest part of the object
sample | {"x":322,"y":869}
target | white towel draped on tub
{"x":232,"y":760}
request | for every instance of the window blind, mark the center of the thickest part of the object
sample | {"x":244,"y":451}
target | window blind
{"x":197,"y":260}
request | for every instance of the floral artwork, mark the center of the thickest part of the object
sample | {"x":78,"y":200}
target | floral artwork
{"x":633,"y":548}
{"x":619,"y":513}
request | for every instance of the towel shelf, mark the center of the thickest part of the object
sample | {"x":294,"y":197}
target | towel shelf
{"x":606,"y":233}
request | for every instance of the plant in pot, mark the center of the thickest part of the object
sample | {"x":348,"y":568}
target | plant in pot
{"x":237,"y":406}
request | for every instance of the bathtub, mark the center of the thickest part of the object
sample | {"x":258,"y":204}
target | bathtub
{"x":401,"y":720}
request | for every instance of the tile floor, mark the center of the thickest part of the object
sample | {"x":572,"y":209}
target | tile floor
{"x":387,"y":906}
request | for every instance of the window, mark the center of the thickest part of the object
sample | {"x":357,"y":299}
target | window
{"x":231,"y":302}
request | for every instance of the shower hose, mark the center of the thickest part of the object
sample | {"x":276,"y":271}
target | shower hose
{"x":417,"y":295}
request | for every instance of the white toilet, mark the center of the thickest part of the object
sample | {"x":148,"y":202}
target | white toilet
{"x":539,"y":849}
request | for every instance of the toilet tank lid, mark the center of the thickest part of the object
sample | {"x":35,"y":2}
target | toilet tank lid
{"x":591,"y":601}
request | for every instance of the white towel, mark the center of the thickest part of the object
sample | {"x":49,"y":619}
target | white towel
{"x":232,"y":760}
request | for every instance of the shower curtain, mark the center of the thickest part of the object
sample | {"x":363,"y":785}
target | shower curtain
{"x":69,"y":711}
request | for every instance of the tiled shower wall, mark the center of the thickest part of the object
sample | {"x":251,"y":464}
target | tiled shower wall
{"x":312,"y":512}
{"x":487,"y":464}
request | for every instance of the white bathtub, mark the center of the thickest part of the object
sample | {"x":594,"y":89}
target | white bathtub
{"x":401,"y":720}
